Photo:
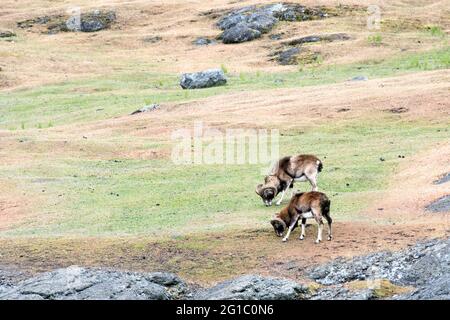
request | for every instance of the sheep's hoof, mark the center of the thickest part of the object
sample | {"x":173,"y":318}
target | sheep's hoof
{"x":284,"y":240}
{"x":330,"y":237}
{"x":302,"y":237}
{"x":317,"y":241}
{"x":277,"y":203}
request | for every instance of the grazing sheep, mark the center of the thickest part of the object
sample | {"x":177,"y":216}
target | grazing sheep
{"x":303,"y":205}
{"x":288,"y":170}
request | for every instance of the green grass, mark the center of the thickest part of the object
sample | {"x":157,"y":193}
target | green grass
{"x":435,"y":31}
{"x":375,"y":40}
{"x":154,"y":197}
{"x":102,"y":98}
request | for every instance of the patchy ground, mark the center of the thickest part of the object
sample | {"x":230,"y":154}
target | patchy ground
{"x":84,"y":182}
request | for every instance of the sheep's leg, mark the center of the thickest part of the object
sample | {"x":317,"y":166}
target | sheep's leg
{"x":319,"y":232}
{"x":281,"y":199}
{"x":319,"y":221}
{"x":282,"y":195}
{"x":329,"y":221}
{"x":291,"y":226}
{"x":312,"y":178}
{"x":302,"y":236}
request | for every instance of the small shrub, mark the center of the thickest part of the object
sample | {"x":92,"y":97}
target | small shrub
{"x":375,"y":40}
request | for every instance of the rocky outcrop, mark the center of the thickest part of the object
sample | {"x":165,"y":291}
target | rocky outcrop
{"x":421,"y":271}
{"x":248,"y":23}
{"x":89,"y":283}
{"x":92,"y":21}
{"x":204,"y":79}
{"x":254,"y":287}
{"x":422,"y":266}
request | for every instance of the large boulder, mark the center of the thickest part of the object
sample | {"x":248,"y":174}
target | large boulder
{"x":77,"y":283}
{"x":203,"y":79}
{"x":97,"y":20}
{"x":254,"y":287}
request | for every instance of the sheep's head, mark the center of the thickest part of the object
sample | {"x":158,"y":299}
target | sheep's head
{"x":278,"y":226}
{"x":268,"y":190}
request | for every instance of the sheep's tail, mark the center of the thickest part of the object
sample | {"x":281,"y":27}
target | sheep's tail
{"x":319,"y":166}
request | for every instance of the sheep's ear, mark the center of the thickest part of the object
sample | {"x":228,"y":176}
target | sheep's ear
{"x":259,"y":189}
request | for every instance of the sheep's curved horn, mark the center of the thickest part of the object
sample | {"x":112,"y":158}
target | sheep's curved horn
{"x":276,"y":220}
{"x":259,"y":189}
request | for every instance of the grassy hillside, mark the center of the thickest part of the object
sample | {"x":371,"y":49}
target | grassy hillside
{"x":82,"y":176}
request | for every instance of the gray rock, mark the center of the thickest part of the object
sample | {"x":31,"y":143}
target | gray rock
{"x":148,"y":108}
{"x":240,"y":33}
{"x":254,"y":287}
{"x":204,"y":42}
{"x":6,"y":34}
{"x":97,"y":20}
{"x":444,"y":179}
{"x":341,"y":293}
{"x":440,"y":205}
{"x":437,"y":289}
{"x":359,"y":78}
{"x":90,"y":283}
{"x":204,"y":79}
{"x":152,"y":39}
{"x":288,"y":56}
{"x":234,"y":17}
{"x":277,"y":36}
{"x":261,"y":22}
{"x":317,"y":38}
{"x":92,"y":21}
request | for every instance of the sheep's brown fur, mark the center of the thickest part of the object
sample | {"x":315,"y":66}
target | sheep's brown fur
{"x":285,"y":172}
{"x":299,"y":207}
